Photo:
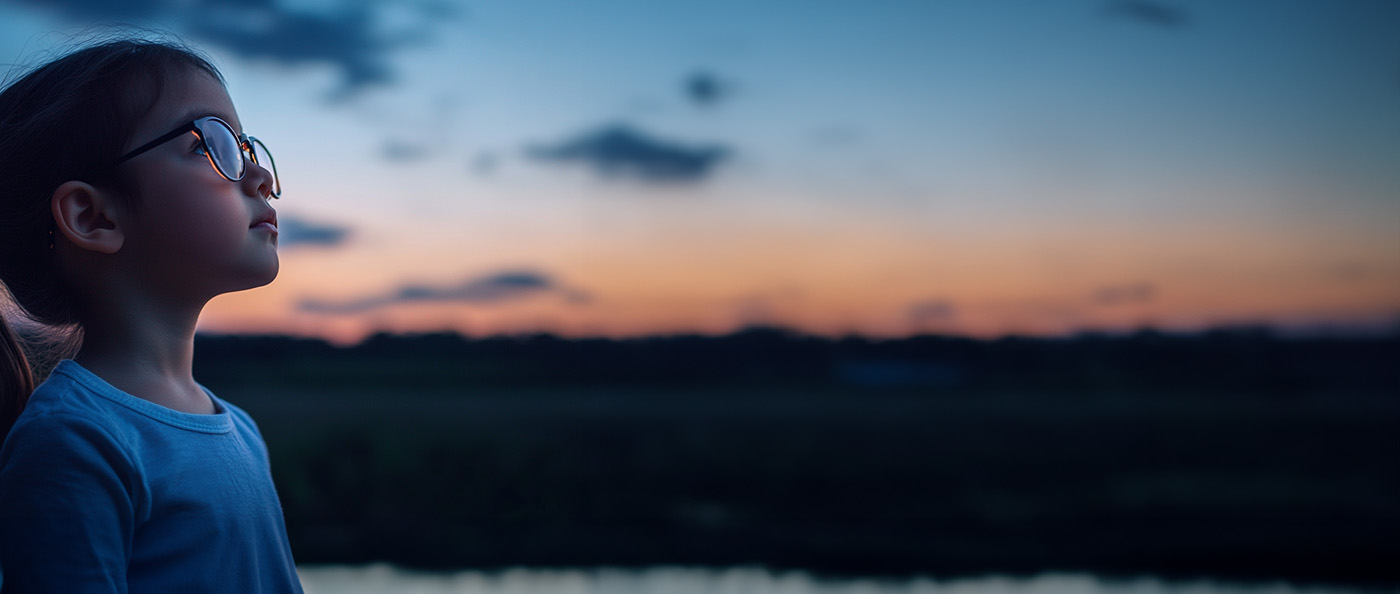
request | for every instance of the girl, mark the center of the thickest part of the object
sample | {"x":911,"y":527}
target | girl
{"x":129,"y":197}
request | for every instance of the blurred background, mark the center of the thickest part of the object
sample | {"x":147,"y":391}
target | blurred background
{"x":859,"y":290}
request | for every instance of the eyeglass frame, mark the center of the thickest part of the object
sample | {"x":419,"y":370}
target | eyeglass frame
{"x":245,"y":147}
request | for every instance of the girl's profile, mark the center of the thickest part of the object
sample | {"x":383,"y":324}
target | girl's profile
{"x":132,"y":195}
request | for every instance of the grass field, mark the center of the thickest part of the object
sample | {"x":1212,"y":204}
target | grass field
{"x":842,"y":481}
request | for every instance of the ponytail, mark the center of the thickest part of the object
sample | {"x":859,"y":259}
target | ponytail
{"x":16,"y":378}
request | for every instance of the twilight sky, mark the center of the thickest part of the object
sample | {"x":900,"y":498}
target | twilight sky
{"x":624,"y":167}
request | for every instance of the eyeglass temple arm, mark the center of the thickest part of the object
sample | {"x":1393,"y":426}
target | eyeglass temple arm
{"x":190,"y":127}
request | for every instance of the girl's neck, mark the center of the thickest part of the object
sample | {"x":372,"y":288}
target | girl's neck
{"x":150,"y":356}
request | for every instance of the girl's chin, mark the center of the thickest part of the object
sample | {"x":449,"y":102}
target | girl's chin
{"x":271,"y":276}
{"x":259,"y":278}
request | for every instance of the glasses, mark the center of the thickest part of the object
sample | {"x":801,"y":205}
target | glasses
{"x":224,"y":148}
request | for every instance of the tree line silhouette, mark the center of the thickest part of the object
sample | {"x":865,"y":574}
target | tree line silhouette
{"x":1234,"y":360}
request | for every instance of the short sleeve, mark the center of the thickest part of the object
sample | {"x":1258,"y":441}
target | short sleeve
{"x":67,"y":511}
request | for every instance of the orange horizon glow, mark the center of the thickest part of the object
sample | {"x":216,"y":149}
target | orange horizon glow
{"x":850,"y":278}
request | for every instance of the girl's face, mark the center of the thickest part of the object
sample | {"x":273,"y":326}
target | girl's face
{"x":194,"y":234}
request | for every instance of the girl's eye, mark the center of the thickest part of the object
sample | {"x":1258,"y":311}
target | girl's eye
{"x":198,"y":148}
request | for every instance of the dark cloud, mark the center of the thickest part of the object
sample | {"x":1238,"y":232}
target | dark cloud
{"x":292,"y":231}
{"x":345,"y":37}
{"x":496,"y":288}
{"x":932,"y":311}
{"x":1125,"y":294}
{"x":619,"y":150}
{"x":1148,"y":12}
{"x":705,"y":89}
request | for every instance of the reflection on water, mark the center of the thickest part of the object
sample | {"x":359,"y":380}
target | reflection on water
{"x":675,"y":580}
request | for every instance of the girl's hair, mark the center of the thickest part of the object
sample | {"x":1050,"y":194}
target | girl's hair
{"x":68,"y":119}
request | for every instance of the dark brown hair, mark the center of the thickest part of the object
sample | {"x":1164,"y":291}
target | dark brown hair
{"x":65,"y":120}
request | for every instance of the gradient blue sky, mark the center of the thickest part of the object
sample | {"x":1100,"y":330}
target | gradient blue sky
{"x":628,"y":167}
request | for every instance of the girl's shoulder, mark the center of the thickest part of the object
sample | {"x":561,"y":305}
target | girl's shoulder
{"x":69,"y":392}
{"x":72,"y":391}
{"x":69,"y":406}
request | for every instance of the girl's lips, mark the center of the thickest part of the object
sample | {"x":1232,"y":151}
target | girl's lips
{"x":268,"y":221}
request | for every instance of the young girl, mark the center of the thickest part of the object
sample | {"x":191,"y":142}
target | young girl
{"x":129,"y":197}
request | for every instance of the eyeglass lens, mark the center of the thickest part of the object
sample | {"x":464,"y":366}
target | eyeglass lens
{"x":264,"y":159}
{"x":227,"y":154}
{"x":223,"y":149}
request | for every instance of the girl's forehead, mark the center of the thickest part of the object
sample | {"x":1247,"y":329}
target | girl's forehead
{"x":185,"y":97}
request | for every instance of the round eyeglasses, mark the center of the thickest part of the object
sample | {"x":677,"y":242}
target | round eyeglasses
{"x":224,"y":148}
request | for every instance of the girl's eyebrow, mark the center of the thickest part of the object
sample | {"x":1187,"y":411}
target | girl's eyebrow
{"x":203,"y":112}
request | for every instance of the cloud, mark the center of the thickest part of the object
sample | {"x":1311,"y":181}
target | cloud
{"x":766,"y":309}
{"x":491,"y":289}
{"x":619,"y":150}
{"x":932,"y":311}
{"x":1125,"y":294}
{"x":347,"y":37}
{"x":705,"y":89}
{"x":293,"y":231}
{"x":1148,"y":12}
{"x":344,"y":39}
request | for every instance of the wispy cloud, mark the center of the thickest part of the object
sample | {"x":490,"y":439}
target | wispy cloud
{"x":495,"y":288}
{"x":932,"y":311}
{"x":619,"y":150}
{"x":1125,"y":294}
{"x":296,"y":231}
{"x":1148,"y":12}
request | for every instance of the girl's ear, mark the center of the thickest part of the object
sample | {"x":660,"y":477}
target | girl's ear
{"x":87,"y":217}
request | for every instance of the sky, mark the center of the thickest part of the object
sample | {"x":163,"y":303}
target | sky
{"x":634,"y":167}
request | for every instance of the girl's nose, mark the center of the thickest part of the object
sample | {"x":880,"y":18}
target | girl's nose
{"x":258,"y":181}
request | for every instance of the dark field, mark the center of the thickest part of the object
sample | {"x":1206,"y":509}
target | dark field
{"x":1230,"y":455}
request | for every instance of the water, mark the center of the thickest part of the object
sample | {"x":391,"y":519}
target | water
{"x":380,"y":579}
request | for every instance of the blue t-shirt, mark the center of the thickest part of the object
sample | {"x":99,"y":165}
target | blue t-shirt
{"x":101,"y":491}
